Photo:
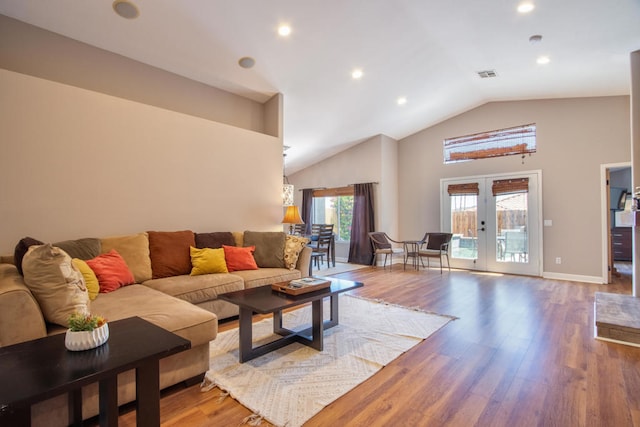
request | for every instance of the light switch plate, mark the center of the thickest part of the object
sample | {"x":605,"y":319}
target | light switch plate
{"x":548,"y":223}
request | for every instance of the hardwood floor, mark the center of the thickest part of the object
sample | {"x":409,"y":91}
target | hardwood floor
{"x":522,"y":353}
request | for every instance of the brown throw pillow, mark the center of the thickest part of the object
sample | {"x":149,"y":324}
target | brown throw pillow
{"x":214,"y":240}
{"x":169,"y":251}
{"x":269,"y":247}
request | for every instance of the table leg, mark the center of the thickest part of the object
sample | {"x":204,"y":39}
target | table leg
{"x":148,"y":394}
{"x":317,"y":326}
{"x":75,"y":407}
{"x":109,"y":401}
{"x":246,"y":334}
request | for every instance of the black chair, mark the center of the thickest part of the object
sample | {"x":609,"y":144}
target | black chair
{"x":436,"y":246}
{"x":320,"y":247}
{"x":299,"y":229}
{"x":381,"y":244}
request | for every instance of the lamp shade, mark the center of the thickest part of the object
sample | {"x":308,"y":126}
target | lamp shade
{"x":292,"y":216}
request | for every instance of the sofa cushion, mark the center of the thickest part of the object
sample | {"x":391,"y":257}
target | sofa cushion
{"x":90,"y":279}
{"x":269,"y":247}
{"x":239,"y":258}
{"x":214,"y":240}
{"x":267,"y":276}
{"x":292,"y":247}
{"x":55,"y":283}
{"x":169,"y":251}
{"x":21,"y":248}
{"x":84,"y":249}
{"x":197,"y":289}
{"x":207,"y":261}
{"x":180,"y":317}
{"x":111,"y":270}
{"x":134,"y":249}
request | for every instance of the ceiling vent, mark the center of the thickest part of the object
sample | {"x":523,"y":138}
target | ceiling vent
{"x":487,"y":73}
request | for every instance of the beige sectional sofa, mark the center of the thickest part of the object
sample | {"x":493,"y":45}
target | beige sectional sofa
{"x":184,"y":304}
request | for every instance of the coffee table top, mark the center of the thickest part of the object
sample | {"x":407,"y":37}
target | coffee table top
{"x":39,"y":369}
{"x":265,"y":300}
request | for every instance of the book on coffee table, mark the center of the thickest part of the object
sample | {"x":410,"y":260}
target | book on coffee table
{"x":301,"y":286}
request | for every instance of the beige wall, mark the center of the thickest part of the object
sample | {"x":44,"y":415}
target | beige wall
{"x":575,"y":136}
{"x":77,"y":163}
{"x":374,"y":160}
{"x":27,"y":49}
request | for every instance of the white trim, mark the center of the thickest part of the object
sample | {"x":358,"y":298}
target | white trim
{"x":573,"y":277}
{"x":604,"y":233}
{"x":617,"y":341}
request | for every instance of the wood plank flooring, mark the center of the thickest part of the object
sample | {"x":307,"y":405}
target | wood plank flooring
{"x":522,"y":353}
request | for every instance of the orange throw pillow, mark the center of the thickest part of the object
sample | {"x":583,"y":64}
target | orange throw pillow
{"x":111,"y":270}
{"x":239,"y":258}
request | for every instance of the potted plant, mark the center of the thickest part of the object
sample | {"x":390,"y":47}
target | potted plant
{"x":86,"y":331}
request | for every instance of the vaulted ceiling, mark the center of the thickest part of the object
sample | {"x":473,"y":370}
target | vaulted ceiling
{"x":428,"y":52}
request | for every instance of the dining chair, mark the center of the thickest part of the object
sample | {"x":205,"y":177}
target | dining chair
{"x":299,"y":228}
{"x":381,"y":244}
{"x":436,"y":245}
{"x":321,"y":247}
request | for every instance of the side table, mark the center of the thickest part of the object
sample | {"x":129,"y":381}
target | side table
{"x":36,"y":370}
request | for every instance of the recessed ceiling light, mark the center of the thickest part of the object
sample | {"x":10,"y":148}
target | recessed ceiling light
{"x":284,"y":30}
{"x":526,"y":7}
{"x":402,"y":100}
{"x":246,"y":62}
{"x":357,"y":74}
{"x":125,"y":9}
{"x":542,"y":60}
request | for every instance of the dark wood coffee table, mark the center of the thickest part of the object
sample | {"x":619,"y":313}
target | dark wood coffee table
{"x":264,"y":300}
{"x":40,"y":369}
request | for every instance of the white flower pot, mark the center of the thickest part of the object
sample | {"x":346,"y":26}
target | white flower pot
{"x":85,"y":340}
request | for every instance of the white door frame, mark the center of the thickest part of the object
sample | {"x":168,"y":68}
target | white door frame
{"x":538,"y":220}
{"x":604,"y":202}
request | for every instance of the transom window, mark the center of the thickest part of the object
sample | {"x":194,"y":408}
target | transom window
{"x":504,"y":142}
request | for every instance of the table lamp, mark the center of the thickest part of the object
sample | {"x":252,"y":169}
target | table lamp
{"x":292,"y":216}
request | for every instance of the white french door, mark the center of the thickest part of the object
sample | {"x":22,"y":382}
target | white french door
{"x":495,"y":221}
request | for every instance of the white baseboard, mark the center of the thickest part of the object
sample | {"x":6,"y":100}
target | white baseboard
{"x":573,"y":277}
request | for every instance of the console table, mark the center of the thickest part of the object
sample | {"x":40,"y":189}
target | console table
{"x":36,"y":370}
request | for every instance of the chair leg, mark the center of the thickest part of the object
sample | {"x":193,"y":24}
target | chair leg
{"x":448,"y":265}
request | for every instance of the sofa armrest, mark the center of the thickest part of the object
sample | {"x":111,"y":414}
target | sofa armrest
{"x":304,"y":260}
{"x":20,"y":315}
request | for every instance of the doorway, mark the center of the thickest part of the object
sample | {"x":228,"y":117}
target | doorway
{"x":617,"y":222}
{"x":495,"y":221}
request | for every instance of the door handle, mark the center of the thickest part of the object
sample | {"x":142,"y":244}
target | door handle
{"x":481,"y":229}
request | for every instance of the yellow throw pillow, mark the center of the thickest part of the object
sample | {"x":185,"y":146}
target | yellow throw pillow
{"x":207,"y":261}
{"x":90,"y":279}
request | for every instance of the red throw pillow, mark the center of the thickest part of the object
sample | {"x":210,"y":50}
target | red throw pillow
{"x":239,"y":258}
{"x":111,"y":270}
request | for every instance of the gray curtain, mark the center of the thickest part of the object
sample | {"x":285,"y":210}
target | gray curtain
{"x":360,"y":251}
{"x":307,"y":203}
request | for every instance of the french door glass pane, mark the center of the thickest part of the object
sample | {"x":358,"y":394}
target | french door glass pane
{"x":464,"y":226}
{"x":512,"y":241}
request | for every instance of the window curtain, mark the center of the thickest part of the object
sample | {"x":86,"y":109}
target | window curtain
{"x":360,"y":251}
{"x":307,"y":205}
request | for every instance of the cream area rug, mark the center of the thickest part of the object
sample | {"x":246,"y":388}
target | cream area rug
{"x":290,"y":385}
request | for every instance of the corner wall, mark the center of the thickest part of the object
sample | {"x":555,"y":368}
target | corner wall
{"x":374,"y":160}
